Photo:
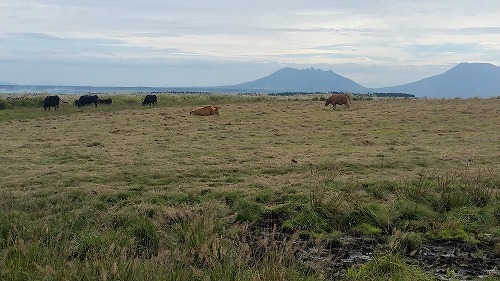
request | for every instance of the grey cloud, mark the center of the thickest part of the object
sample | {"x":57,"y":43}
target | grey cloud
{"x":168,"y":35}
{"x":75,"y":49}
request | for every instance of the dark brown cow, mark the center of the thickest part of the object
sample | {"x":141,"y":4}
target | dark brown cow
{"x":205,"y":110}
{"x":339,"y":99}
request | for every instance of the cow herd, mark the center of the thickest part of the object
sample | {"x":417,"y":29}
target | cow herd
{"x":53,"y":101}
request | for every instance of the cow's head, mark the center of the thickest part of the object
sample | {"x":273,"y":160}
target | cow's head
{"x":216,"y":109}
{"x":327,"y":102}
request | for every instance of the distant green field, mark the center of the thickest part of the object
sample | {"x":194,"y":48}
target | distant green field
{"x":131,"y":192}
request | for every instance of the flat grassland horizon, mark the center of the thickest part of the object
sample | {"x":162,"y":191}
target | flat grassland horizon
{"x":124,"y":191}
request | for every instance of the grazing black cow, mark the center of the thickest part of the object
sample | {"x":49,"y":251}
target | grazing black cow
{"x":105,"y":101}
{"x":150,"y":100}
{"x":52,"y":101}
{"x":87,"y":99}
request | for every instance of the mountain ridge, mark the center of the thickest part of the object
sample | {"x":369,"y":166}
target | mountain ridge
{"x":304,"y":80}
{"x":461,"y":81}
{"x":464,"y":80}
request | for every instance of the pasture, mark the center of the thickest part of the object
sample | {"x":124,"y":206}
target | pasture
{"x":271,"y":189}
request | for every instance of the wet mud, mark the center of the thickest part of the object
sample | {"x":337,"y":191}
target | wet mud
{"x":461,"y":259}
{"x":445,"y":259}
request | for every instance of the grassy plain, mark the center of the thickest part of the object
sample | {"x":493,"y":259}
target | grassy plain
{"x":126,"y":192}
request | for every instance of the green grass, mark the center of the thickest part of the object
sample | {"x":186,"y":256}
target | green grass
{"x":126,"y":192}
{"x":387,"y":267}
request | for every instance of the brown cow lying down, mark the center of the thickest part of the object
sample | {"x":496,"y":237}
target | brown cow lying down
{"x":205,"y":110}
{"x":339,"y":99}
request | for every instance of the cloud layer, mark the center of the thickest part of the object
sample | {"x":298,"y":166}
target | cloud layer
{"x":202,"y":43}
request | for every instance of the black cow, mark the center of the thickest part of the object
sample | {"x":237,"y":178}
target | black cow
{"x":105,"y":101}
{"x":52,"y":101}
{"x":87,"y":99}
{"x":150,"y":100}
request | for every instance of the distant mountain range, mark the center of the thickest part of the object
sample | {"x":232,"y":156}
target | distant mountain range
{"x":465,"y":80}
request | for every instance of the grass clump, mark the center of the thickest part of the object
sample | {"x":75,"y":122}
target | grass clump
{"x":405,"y":242}
{"x":387,"y":267}
{"x":366,"y":229}
{"x":473,"y":219}
{"x":451,"y":229}
{"x":370,"y":218}
{"x":248,"y":210}
{"x":308,"y":219}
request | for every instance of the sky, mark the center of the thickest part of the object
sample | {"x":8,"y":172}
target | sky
{"x":162,"y":43}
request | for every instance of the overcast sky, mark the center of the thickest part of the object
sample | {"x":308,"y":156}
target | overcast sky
{"x":207,"y":43}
